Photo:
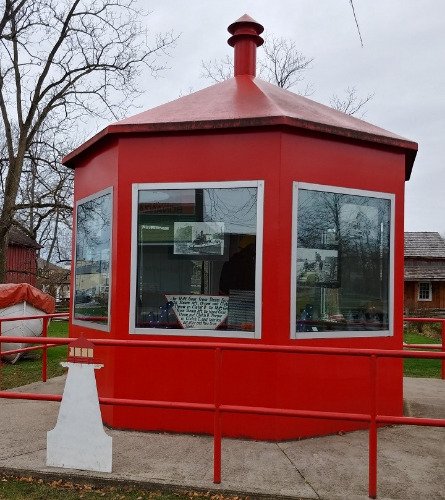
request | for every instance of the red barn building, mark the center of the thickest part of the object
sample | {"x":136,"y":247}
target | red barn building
{"x":21,"y":257}
{"x":241,"y":213}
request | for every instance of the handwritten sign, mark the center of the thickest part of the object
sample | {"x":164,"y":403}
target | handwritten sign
{"x":241,"y":310}
{"x":196,"y":312}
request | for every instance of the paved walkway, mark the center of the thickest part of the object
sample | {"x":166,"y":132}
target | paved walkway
{"x":411,"y":459}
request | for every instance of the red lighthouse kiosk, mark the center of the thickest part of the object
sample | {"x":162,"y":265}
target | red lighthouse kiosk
{"x":241,"y":213}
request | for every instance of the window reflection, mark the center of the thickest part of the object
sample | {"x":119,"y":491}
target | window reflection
{"x":196,"y":259}
{"x":343,"y":257}
{"x":92,"y":267}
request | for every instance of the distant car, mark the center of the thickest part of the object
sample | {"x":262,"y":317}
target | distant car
{"x":82,"y":297}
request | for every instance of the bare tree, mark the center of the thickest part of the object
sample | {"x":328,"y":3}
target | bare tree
{"x":43,"y":208}
{"x":44,"y":201}
{"x":282,"y":64}
{"x":352,"y":103}
{"x":61,"y":60}
{"x":217,"y":70}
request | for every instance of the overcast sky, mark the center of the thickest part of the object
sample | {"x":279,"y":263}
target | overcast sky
{"x":402,"y":62}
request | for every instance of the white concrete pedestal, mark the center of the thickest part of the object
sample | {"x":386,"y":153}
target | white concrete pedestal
{"x":78,"y":441}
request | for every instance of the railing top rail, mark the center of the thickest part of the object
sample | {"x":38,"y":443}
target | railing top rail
{"x":67,"y":314}
{"x":349,"y":351}
{"x":424,"y":320}
{"x":36,"y":316}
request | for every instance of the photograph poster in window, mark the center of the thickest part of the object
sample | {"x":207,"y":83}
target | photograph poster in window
{"x":92,"y":266}
{"x":196,"y":259}
{"x":342,"y":266}
{"x":198,"y":238}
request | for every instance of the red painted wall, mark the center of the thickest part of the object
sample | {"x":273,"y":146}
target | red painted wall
{"x":21,"y":265}
{"x":94,"y":174}
{"x":305,"y":382}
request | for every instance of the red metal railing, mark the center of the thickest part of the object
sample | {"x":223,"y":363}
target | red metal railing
{"x":439,"y":347}
{"x":45,"y":322}
{"x":47,"y":317}
{"x":219,"y":409}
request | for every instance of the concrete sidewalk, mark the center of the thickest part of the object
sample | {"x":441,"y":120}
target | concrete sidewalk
{"x":411,"y":460}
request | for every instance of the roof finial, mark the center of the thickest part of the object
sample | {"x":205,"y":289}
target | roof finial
{"x":245,"y":39}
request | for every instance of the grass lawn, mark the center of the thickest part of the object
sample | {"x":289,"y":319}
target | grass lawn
{"x":26,"y":371}
{"x":28,"y":488}
{"x":428,"y":368}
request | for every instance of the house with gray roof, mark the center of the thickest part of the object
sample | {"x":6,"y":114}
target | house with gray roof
{"x":424,"y":273}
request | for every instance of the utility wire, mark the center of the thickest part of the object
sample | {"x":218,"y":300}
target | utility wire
{"x":356,"y":22}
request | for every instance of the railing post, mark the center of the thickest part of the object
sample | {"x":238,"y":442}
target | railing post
{"x":217,"y":419}
{"x":1,"y":363}
{"x":45,"y":349}
{"x":443,"y":347}
{"x":372,"y":465}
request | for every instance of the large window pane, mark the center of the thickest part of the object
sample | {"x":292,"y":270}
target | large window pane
{"x":92,"y":268}
{"x":196,"y":259}
{"x":342,"y":262}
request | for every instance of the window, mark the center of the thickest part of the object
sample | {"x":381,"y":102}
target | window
{"x":425,"y":291}
{"x":93,"y":261}
{"x":341,"y":262}
{"x":196,"y":263}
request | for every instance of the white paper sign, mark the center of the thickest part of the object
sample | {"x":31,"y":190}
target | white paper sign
{"x":200,"y":311}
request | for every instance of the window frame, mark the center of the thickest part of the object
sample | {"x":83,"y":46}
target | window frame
{"x":256,"y":334}
{"x":293,"y":284}
{"x":430,"y":291}
{"x":80,"y":322}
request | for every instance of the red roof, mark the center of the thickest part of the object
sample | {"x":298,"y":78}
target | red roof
{"x":81,"y":342}
{"x":246,"y":101}
{"x":81,"y":350}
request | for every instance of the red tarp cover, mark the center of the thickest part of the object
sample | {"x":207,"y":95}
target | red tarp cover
{"x":11,"y":294}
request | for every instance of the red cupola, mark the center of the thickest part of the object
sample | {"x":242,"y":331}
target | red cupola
{"x":241,"y":213}
{"x":245,"y":39}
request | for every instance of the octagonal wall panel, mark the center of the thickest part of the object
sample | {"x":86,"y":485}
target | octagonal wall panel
{"x":278,"y":158}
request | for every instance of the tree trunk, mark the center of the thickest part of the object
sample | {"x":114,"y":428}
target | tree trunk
{"x":53,"y":242}
{"x":8,"y":210}
{"x":3,"y":253}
